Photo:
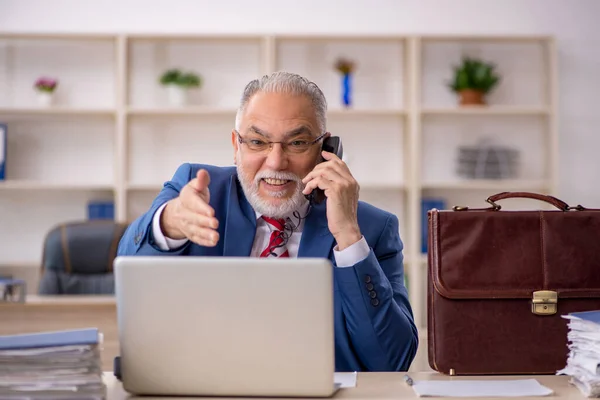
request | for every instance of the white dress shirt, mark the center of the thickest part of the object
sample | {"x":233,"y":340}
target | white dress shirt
{"x":345,"y":258}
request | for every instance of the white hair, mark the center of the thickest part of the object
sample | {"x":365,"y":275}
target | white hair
{"x":289,"y":83}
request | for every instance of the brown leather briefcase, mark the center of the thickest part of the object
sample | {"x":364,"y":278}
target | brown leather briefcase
{"x":499,"y":282}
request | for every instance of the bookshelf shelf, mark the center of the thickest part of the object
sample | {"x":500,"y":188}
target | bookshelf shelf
{"x":144,"y":187}
{"x":199,"y":111}
{"x":60,"y":111}
{"x":375,"y":112}
{"x":377,"y":186}
{"x":485,"y":110}
{"x":23,"y":185}
{"x":491,"y":185}
{"x":181,"y":111}
{"x":401,"y":134}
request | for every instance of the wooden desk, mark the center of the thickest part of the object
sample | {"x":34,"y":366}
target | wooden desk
{"x":50,"y":313}
{"x":386,"y":385}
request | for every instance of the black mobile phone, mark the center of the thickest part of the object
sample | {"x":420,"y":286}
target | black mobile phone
{"x":331,"y":144}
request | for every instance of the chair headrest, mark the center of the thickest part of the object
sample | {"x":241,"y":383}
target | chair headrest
{"x":86,"y":247}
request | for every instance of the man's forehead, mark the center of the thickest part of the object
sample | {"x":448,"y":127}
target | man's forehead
{"x":300,"y":129}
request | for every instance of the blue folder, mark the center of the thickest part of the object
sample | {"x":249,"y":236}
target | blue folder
{"x":3,"y":144}
{"x":88,"y":336}
{"x":101,"y":210}
{"x":427,"y":203}
{"x":592,"y":316}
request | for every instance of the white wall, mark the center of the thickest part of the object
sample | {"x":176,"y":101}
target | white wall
{"x":573,"y":22}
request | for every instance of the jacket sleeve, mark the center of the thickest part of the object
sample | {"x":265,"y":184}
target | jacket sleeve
{"x":379,"y":318}
{"x":137,"y":239}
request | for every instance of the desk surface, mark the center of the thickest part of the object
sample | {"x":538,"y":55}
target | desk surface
{"x":389,"y":385}
{"x":35,"y":300}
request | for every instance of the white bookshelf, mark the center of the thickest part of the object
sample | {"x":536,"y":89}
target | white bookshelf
{"x":112,"y":136}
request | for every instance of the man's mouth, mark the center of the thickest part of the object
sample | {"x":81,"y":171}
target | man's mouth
{"x":276,"y":182}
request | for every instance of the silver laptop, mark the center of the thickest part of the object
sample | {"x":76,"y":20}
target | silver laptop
{"x":220,"y":326}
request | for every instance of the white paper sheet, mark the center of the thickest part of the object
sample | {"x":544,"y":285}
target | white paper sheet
{"x":477,"y":388}
{"x":345,"y":379}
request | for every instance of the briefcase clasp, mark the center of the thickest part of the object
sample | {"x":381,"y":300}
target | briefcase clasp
{"x":544,"y":302}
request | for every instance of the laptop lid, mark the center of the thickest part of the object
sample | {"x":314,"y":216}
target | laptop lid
{"x":221,"y":326}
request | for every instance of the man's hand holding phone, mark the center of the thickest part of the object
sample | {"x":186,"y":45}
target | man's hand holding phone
{"x":341,"y":189}
{"x":190,"y":215}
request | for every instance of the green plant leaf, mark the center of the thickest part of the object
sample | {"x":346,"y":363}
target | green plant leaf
{"x":170,"y":76}
{"x":474,"y":74}
{"x":189,"y":80}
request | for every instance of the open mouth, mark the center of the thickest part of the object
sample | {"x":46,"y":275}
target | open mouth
{"x":276,"y":182}
{"x":277,"y":187}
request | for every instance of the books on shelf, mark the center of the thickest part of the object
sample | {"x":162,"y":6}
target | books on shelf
{"x":101,"y":210}
{"x":428,"y":203}
{"x":3,"y":145}
{"x":60,"y":364}
{"x":583,"y":361}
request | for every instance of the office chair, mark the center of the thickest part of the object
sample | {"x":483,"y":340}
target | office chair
{"x":78,"y":258}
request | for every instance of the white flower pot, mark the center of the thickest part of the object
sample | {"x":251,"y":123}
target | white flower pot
{"x":177,"y":95}
{"x":44,"y":99}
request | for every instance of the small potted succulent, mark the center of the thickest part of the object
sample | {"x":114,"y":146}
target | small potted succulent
{"x":45,"y":88}
{"x":473,"y":80}
{"x":178,"y":83}
{"x":346,"y":67}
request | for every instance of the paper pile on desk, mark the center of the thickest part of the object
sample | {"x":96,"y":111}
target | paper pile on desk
{"x":583,"y":362}
{"x":63,"y":364}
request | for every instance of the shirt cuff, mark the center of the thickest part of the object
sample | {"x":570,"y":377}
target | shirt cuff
{"x":352,"y":254}
{"x":164,"y":243}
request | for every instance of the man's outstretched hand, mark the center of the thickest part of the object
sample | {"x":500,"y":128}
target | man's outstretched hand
{"x":190,"y":216}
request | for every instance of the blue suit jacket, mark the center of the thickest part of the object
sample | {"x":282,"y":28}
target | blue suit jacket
{"x":371,"y":334}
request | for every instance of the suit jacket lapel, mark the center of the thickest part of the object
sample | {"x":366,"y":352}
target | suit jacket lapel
{"x":316,"y":239}
{"x":240,"y":227}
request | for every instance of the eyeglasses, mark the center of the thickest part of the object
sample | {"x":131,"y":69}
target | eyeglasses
{"x":257,"y":144}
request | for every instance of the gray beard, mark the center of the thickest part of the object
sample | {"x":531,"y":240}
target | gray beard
{"x":284,"y":207}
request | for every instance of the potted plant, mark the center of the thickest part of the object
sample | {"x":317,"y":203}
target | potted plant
{"x":45,"y":88}
{"x":178,"y":83}
{"x":346,"y":68}
{"x":473,"y":80}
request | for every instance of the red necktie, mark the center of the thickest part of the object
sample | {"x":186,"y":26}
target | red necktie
{"x":276,"y":246}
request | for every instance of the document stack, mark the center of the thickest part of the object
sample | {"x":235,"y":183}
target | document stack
{"x":52,"y":365}
{"x":583,"y":361}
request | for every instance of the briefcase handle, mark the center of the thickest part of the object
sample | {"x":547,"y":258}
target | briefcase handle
{"x":561,"y":205}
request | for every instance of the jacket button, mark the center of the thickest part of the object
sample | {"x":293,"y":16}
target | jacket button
{"x":368,"y":279}
{"x":370,"y":286}
{"x":137,"y":238}
{"x":372,"y":294}
{"x":375,"y":302}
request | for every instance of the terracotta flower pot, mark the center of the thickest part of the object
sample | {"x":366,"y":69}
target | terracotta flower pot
{"x":471,"y":97}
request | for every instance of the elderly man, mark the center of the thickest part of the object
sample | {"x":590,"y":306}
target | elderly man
{"x":259,"y":208}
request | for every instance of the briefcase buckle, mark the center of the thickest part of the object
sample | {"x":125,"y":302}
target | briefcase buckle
{"x":544,"y":302}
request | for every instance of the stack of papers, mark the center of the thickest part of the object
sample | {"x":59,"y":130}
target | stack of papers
{"x":584,"y":352}
{"x":481,"y":388}
{"x":64,"y":364}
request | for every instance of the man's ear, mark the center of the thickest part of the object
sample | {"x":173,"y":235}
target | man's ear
{"x":235,"y":144}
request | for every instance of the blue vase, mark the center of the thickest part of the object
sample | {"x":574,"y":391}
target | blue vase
{"x":347,"y":90}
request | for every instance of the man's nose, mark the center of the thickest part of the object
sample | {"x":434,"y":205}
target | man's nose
{"x":277,"y":158}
